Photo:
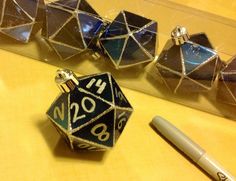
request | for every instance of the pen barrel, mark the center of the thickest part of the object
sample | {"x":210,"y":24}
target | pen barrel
{"x":178,"y":138}
{"x":213,"y":168}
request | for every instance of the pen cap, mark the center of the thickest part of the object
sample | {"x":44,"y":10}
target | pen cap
{"x":180,"y":140}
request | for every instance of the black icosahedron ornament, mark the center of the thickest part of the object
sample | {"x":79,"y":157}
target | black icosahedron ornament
{"x":188,"y":63}
{"x":92,"y":111}
{"x":71,"y":26}
{"x":19,"y":19}
{"x":130,"y":40}
{"x":226,"y":91}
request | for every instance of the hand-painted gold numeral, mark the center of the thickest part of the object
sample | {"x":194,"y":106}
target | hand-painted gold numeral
{"x":86,"y":146}
{"x":59,"y":112}
{"x":102,"y":135}
{"x":119,"y":95}
{"x":89,"y":147}
{"x":101,"y":85}
{"x":91,"y":101}
{"x":122,"y":119}
{"x":85,"y":108}
{"x":76,"y":116}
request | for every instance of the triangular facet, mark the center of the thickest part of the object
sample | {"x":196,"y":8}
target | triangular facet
{"x":90,"y":26}
{"x":205,"y":74}
{"x":85,"y":6}
{"x":79,"y":144}
{"x":121,"y":119}
{"x":70,"y":34}
{"x":29,"y":6}
{"x":188,"y":85}
{"x":64,"y":51}
{"x":170,"y":57}
{"x":14,"y":15}
{"x":194,"y":55}
{"x":98,"y":85}
{"x":68,"y":4}
{"x":116,"y":28}
{"x":20,"y":33}
{"x":85,"y":107}
{"x":55,"y":19}
{"x":135,"y":21}
{"x":147,"y":38}
{"x":100,"y":131}
{"x":170,"y":78}
{"x":114,"y":47}
{"x":230,"y":81}
{"x":58,"y":112}
{"x":231,"y":67}
{"x":133,"y":54}
{"x":119,"y":98}
{"x":224,"y":94}
{"x":201,"y":39}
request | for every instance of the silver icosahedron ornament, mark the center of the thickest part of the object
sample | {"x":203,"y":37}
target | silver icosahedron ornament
{"x":91,"y":112}
{"x":188,"y":63}
{"x":19,"y":19}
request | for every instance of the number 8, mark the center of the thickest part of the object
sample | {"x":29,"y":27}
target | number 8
{"x":103,"y":135}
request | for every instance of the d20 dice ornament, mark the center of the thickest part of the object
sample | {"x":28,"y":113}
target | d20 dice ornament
{"x":226,"y":91}
{"x":19,"y":19}
{"x":130,"y":40}
{"x":188,"y":63}
{"x":71,"y":26}
{"x":91,"y":112}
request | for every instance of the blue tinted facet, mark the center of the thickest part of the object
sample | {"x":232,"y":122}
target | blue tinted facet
{"x":90,"y":26}
{"x":114,"y":48}
{"x":170,"y":57}
{"x":133,"y":54}
{"x":19,"y":33}
{"x":195,"y":55}
{"x":58,"y":111}
{"x":147,"y":38}
{"x":116,"y":28}
{"x":70,"y":35}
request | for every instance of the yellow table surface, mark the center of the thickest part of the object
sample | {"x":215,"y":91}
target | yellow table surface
{"x":31,"y":149}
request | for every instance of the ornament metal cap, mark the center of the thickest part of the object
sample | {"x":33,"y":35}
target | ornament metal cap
{"x":66,"y":80}
{"x":180,"y":35}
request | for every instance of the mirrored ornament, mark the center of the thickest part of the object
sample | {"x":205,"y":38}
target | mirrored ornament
{"x":188,"y":63}
{"x":19,"y":19}
{"x":91,"y":112}
{"x":130,"y":40}
{"x":226,"y":89}
{"x":71,"y":26}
